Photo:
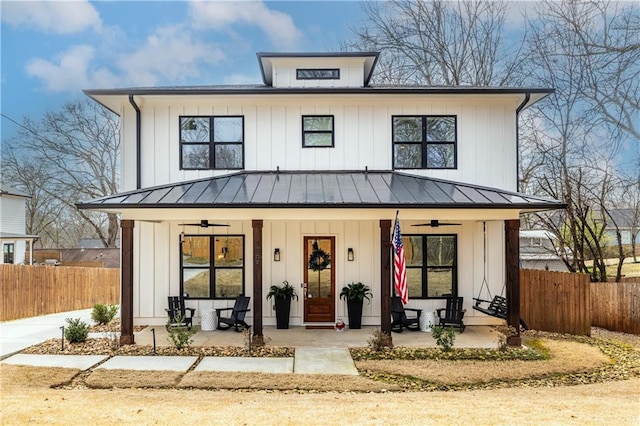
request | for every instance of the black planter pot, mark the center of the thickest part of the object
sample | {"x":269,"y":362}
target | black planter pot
{"x":283,"y":308}
{"x":355,"y":313}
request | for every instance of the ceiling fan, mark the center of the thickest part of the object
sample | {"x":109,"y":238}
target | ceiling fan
{"x":203,"y":224}
{"x":436,"y":223}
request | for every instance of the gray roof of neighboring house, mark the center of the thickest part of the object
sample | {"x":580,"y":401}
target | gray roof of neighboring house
{"x":8,"y":190}
{"x":624,"y":218}
{"x":322,"y":189}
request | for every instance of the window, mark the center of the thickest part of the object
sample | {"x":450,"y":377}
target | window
{"x":317,"y":74}
{"x":212,"y":266}
{"x":431,"y":265}
{"x":317,"y":131}
{"x":8,"y":250}
{"x":211,"y":142}
{"x":424,"y":142}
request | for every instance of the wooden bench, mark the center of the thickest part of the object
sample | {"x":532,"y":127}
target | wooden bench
{"x":497,"y":307}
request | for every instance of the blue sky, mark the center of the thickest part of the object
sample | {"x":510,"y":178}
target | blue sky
{"x":51,"y":50}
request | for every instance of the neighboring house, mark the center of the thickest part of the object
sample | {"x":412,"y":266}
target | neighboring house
{"x":90,"y":257}
{"x":628,"y":222}
{"x":228,"y":190}
{"x":13,"y":239}
{"x":537,"y":251}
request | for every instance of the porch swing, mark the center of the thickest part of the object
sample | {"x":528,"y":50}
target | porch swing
{"x":497,"y":305}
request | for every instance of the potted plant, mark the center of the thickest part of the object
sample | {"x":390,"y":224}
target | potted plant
{"x":282,"y":295}
{"x":355,"y":293}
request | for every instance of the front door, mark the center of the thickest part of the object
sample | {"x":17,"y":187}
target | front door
{"x":320,"y":279}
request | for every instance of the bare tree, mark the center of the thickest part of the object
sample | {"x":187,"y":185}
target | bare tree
{"x":439,"y":42}
{"x":575,"y":161}
{"x":70,"y":155}
{"x":42,"y":210}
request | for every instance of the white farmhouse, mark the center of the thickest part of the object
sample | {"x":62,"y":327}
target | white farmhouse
{"x":13,"y":226}
{"x":226,"y":189}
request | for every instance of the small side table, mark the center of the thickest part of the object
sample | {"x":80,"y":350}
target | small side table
{"x":209,"y":319}
{"x":425,"y":319}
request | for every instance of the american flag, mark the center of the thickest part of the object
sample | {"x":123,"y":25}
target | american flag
{"x":400,"y":268}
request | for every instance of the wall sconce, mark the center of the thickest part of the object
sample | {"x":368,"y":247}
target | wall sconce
{"x":276,"y":255}
{"x":350,"y":254}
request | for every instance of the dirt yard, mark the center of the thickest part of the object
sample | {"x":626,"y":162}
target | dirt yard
{"x":27,"y":396}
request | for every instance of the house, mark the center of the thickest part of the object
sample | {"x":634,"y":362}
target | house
{"x":228,"y":190}
{"x":13,"y":238}
{"x":537,"y":251}
{"x":628,"y":223}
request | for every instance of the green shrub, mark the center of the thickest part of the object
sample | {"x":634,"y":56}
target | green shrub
{"x":179,"y":333}
{"x":103,"y":314}
{"x":77,"y":331}
{"x":444,"y":337}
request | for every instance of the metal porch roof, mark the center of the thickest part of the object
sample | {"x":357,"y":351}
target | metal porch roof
{"x":321,"y":189}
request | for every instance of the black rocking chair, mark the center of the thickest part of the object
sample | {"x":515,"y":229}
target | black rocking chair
{"x":177,"y":309}
{"x":236,"y":318}
{"x":400,"y":319}
{"x":452,"y":314}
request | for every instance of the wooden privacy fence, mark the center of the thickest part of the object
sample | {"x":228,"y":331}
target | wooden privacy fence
{"x":616,"y":306}
{"x":28,"y":291}
{"x":555,"y":301}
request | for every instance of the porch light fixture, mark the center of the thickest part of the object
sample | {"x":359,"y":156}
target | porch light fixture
{"x":276,"y":255}
{"x":350,"y":255}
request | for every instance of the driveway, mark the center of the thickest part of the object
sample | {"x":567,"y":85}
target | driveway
{"x":19,"y":334}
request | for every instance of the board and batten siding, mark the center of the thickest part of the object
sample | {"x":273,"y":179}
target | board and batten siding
{"x":12,"y":214}
{"x":157,"y":271}
{"x":486,"y":143}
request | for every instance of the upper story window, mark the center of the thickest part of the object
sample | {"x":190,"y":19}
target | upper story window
{"x":424,"y":142}
{"x":431,"y":265}
{"x":212,"y":266}
{"x":211,"y":142}
{"x":318,"y":74}
{"x":317,"y":131}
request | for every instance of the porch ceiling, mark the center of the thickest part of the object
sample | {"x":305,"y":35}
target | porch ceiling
{"x":321,"y":189}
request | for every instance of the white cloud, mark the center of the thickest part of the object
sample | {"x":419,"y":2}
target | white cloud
{"x":169,"y":54}
{"x":277,"y":26}
{"x":70,"y":71}
{"x":59,"y":17}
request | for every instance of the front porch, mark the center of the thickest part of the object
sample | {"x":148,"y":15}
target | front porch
{"x":473,"y":337}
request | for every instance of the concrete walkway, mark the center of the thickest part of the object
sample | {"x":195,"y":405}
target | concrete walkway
{"x":317,"y":351}
{"x":20,"y":334}
{"x":306,"y":361}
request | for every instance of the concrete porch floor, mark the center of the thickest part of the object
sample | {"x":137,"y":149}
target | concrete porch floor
{"x":473,"y":337}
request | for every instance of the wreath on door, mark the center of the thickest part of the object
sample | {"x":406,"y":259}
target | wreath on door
{"x":319,"y":259}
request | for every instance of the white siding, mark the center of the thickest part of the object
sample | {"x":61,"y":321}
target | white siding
{"x":157,"y":271}
{"x":486,"y":150}
{"x":12,"y":214}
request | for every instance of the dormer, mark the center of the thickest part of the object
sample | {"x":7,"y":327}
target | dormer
{"x":336,"y":69}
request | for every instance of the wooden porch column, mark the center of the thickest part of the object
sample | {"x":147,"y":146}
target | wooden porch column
{"x":258,"y":338}
{"x":385,"y":278}
{"x":512,"y":256}
{"x":126,"y":282}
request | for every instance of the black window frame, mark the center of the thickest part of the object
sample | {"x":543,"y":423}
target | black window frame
{"x":330,"y":73}
{"x":425,"y":266}
{"x":424,"y":143}
{"x":311,"y":132}
{"x":212,"y":266}
{"x":211,"y":143}
{"x":8,"y":253}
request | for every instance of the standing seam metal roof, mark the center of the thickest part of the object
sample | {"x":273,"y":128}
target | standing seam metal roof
{"x":321,"y":189}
